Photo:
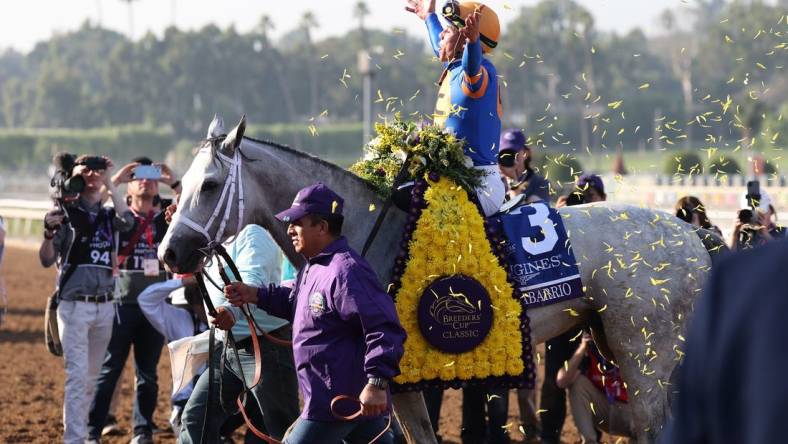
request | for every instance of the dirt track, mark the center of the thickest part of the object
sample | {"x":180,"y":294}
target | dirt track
{"x":31,"y":396}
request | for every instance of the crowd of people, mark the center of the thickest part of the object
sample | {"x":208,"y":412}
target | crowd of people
{"x":114,"y":295}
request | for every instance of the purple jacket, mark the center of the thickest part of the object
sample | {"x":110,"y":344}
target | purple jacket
{"x":345,"y":327}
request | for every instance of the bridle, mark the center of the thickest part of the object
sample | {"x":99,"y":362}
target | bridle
{"x":234,"y":181}
{"x":214,"y":247}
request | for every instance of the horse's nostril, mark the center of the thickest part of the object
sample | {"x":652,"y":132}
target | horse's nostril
{"x":169,"y":257}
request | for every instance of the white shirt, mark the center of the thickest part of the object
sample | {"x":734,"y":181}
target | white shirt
{"x":172,"y":322}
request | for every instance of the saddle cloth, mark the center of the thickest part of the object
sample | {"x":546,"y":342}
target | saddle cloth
{"x":539,"y":256}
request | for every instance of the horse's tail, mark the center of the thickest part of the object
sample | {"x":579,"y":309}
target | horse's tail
{"x":714,"y":243}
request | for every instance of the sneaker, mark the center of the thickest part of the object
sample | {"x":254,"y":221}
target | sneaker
{"x":111,"y":428}
{"x":142,"y":438}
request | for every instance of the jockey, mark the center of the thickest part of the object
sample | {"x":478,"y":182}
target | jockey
{"x":469,"y":103}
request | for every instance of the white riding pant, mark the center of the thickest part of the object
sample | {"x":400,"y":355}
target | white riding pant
{"x":492,"y":191}
{"x":85,"y":331}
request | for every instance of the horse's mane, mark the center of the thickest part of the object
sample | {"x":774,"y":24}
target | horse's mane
{"x":310,"y":157}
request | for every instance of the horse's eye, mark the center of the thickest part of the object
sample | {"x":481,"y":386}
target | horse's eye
{"x":209,"y":186}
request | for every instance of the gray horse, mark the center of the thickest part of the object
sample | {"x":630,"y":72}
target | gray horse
{"x":642,"y":269}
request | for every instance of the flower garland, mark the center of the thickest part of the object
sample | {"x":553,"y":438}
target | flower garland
{"x":445,"y":236}
{"x":428,"y":149}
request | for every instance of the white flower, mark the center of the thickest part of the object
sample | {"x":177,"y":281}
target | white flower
{"x":400,"y":154}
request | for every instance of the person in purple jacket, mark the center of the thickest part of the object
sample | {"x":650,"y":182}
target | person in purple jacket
{"x":347,"y":339}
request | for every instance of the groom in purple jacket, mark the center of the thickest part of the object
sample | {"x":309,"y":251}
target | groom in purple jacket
{"x":347,"y":339}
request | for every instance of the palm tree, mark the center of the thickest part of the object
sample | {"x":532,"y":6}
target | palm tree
{"x":264,"y":27}
{"x":308,"y":23}
{"x":98,"y":13}
{"x":682,"y":67}
{"x":131,"y":17}
{"x":360,"y":12}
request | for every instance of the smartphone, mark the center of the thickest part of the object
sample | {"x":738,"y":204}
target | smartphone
{"x":152,"y":172}
{"x":754,"y":189}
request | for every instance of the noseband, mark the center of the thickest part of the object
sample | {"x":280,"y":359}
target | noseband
{"x":234,"y":180}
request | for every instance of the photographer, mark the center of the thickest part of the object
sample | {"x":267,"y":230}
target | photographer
{"x":514,"y":163}
{"x":755,"y":225}
{"x":139,"y":268}
{"x":81,"y":236}
{"x":692,"y":211}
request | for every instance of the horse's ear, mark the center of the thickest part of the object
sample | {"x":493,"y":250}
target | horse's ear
{"x":235,"y":137}
{"x":216,"y":128}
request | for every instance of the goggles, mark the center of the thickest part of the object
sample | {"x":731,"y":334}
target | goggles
{"x":452,"y":13}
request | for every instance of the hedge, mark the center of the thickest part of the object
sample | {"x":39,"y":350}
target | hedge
{"x":21,"y":148}
{"x":340,"y":143}
{"x":561,"y":169}
{"x":723,"y":164}
{"x":686,"y":163}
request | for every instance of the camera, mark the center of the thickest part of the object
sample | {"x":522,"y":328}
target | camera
{"x":575,"y":198}
{"x":753,"y":201}
{"x":64,"y":186}
{"x":685,"y":214}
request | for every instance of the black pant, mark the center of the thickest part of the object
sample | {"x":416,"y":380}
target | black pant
{"x":552,"y":403}
{"x":433,"y":399}
{"x":130,"y":328}
{"x":478,"y":428}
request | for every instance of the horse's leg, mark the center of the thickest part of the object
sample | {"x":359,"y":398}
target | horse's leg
{"x":412,"y":413}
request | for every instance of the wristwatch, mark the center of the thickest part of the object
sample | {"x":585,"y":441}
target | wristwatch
{"x":380,"y":383}
{"x":175,"y":184}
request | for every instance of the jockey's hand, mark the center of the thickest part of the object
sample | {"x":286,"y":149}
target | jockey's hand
{"x":373,"y":401}
{"x":224,"y":318}
{"x":239,"y":293}
{"x":471,"y":29}
{"x":422,"y":8}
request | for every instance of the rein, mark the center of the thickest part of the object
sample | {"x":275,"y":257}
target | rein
{"x":235,"y":181}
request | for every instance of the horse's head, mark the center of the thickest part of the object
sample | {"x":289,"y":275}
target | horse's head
{"x":210,"y":204}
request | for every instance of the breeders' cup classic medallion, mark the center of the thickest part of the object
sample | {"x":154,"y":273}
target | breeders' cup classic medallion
{"x":455,"y":314}
{"x":317,"y":303}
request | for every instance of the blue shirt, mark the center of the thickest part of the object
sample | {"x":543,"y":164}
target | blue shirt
{"x":257,"y":258}
{"x":469,"y":101}
{"x":345,"y":327}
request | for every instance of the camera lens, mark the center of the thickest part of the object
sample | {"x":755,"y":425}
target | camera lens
{"x":74,"y":184}
{"x":745,"y":216}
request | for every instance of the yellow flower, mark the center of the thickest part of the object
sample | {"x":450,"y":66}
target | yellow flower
{"x":440,"y":247}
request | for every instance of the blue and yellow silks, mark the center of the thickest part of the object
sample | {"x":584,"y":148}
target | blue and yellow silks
{"x":469,"y":101}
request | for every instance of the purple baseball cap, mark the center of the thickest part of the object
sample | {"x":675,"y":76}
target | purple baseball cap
{"x":512,"y":140}
{"x":314,"y":199}
{"x":591,"y":180}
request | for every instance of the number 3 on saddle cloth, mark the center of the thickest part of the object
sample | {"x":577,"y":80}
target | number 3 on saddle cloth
{"x":538,"y":254}
{"x":461,"y":285}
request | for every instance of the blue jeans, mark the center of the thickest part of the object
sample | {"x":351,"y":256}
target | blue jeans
{"x":132,"y":329}
{"x":307,"y":431}
{"x":277,"y":394}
